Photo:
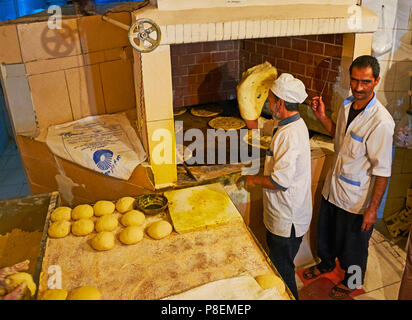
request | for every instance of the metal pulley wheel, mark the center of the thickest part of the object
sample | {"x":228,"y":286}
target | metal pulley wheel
{"x":144,"y":35}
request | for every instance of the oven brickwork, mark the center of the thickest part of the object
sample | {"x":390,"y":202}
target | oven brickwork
{"x":209,"y":71}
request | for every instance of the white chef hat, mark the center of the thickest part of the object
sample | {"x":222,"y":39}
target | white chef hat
{"x":289,"y":88}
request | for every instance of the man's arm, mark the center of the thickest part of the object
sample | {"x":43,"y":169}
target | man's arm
{"x":318,"y":108}
{"x":264,"y":181}
{"x":369,"y":217}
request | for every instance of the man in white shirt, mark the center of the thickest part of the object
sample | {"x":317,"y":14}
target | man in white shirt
{"x":286,"y":182}
{"x":357,"y":180}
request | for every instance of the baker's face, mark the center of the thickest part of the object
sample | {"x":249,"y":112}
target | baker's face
{"x":362,"y":83}
{"x":274,"y":105}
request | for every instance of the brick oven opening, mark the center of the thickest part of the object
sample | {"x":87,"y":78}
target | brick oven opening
{"x":207,"y":73}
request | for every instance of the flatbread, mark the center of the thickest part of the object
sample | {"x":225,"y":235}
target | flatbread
{"x":227,"y":123}
{"x":257,"y":140}
{"x":179,"y":111}
{"x":206,"y":111}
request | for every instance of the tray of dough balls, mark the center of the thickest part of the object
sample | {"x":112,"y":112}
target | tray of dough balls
{"x":113,"y":250}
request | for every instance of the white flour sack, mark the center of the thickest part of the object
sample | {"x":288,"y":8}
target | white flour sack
{"x":107,"y":144}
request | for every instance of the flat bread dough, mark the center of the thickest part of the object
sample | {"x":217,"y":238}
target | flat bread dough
{"x":206,"y":111}
{"x":257,"y":140}
{"x":179,"y":111}
{"x":227,"y":123}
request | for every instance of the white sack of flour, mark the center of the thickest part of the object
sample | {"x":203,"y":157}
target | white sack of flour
{"x":107,"y":144}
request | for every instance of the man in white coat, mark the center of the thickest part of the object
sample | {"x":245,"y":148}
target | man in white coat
{"x":286,"y":182}
{"x":357,"y":180}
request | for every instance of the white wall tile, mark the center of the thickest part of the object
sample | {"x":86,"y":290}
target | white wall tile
{"x":235,"y":30}
{"x":242,"y":29}
{"x":203,"y":32}
{"x":219,"y":31}
{"x":171,"y":33}
{"x":211,"y":32}
{"x":402,"y":79}
{"x":227,"y":30}
{"x":179,"y":33}
{"x":195,"y":32}
{"x":187,"y":33}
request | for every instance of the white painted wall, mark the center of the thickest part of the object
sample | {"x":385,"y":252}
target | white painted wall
{"x":395,"y":65}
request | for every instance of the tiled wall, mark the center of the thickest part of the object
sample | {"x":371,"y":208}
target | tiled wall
{"x":204,"y":72}
{"x":392,"y":90}
{"x":209,"y":71}
{"x":83,"y":69}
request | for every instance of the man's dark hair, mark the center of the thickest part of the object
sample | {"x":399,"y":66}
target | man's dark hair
{"x":364,"y":62}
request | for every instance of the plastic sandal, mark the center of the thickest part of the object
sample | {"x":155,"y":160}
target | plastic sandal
{"x":336,"y":289}
{"x":309,"y":273}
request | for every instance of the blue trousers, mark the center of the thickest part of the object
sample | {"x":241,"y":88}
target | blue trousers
{"x":282,"y":252}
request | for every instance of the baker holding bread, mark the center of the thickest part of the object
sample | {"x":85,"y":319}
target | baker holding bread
{"x":286,"y":181}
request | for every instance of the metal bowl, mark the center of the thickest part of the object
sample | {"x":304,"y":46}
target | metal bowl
{"x":152,"y":203}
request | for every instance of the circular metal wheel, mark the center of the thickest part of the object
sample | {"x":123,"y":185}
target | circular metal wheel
{"x":144,"y":35}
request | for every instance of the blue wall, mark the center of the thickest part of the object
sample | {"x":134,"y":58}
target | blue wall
{"x":12,"y":9}
{"x":4,"y":123}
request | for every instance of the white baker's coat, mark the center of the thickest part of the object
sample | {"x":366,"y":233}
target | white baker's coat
{"x":364,"y":151}
{"x":289,"y":168}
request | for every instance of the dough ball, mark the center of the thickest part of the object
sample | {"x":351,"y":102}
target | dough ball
{"x":125,"y":204}
{"x":106,"y":223}
{"x":61,"y":213}
{"x":133,"y":218}
{"x":54,"y":294}
{"x":131,"y":235}
{"x":13,"y":281}
{"x":82,"y":227}
{"x":84,"y":293}
{"x":269,"y":280}
{"x":103,"y":207}
{"x":59,"y":229}
{"x":82,"y":211}
{"x":159,"y":229}
{"x":103,"y":241}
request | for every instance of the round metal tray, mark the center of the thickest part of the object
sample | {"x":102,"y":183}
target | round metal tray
{"x":152,"y":203}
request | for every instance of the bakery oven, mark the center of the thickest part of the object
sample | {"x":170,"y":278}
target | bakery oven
{"x":189,"y":80}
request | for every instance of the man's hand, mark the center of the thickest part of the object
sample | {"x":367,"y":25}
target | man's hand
{"x":369,"y":219}
{"x":318,"y":107}
{"x":17,"y":293}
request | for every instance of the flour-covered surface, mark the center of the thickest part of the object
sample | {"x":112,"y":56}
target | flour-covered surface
{"x":155,"y":269}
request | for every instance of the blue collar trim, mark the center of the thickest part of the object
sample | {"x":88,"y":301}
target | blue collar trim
{"x":289,"y":120}
{"x":352,"y":98}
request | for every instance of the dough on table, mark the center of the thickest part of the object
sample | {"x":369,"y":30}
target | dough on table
{"x":159,"y":229}
{"x":61,"y":213}
{"x":131,"y":235}
{"x":82,"y":227}
{"x":84,"y":293}
{"x":133,"y":218}
{"x":13,"y":281}
{"x":54,"y":294}
{"x":59,"y":229}
{"x":125,"y":204}
{"x":107,"y":222}
{"x":269,"y":280}
{"x":82,"y":211}
{"x":103,"y":241}
{"x":103,"y":207}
